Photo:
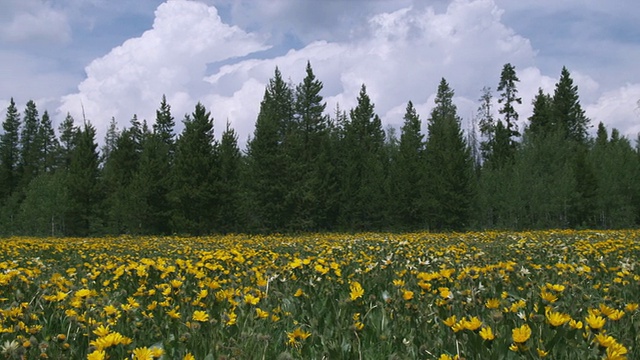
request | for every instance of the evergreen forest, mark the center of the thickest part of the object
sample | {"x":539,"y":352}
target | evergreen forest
{"x":307,"y":168}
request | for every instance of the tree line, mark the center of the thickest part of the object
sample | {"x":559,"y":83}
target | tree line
{"x":306,"y":170}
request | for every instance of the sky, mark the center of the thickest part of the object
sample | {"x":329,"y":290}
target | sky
{"x":116,"y":58}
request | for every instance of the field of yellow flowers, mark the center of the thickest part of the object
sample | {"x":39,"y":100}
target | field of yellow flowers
{"x":490,"y":295}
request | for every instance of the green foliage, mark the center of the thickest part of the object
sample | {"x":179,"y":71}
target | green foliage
{"x":29,"y":149}
{"x":45,"y":204}
{"x":450,"y":188}
{"x":85,"y":194}
{"x":10,"y":152}
{"x":193,"y":175}
{"x":408,"y":174}
{"x":304,"y":170}
{"x":48,"y":145}
{"x":118,"y":173}
{"x":616,"y":169}
{"x":269,"y":153}
{"x":307,"y":152}
{"x":229,"y":184}
{"x":363,"y":168}
{"x":566,"y":112}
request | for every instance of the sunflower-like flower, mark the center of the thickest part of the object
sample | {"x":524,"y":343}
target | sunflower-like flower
{"x":487,"y":334}
{"x":595,"y":322}
{"x":200,"y":316}
{"x":556,"y":319}
{"x":356,"y":291}
{"x":296,"y":335}
{"x":521,"y":334}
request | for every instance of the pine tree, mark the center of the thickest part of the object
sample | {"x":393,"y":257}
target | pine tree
{"x":68,"y":132}
{"x":139,"y":131}
{"x":110,"y":139}
{"x":28,"y":144}
{"x":268,"y":153}
{"x":486,"y":123}
{"x":450,"y":188}
{"x":509,"y":97}
{"x":616,"y":170}
{"x":149,"y":189}
{"x":408,"y":173}
{"x":85,"y":195}
{"x":541,"y":121}
{"x":119,"y":170}
{"x":308,"y":153}
{"x":365,"y":162}
{"x":566,"y":110}
{"x":229,"y":188}
{"x":193,"y":196}
{"x":10,"y":152}
{"x":48,"y":145}
{"x":164,"y":124}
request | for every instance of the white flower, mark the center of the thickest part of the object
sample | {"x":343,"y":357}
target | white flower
{"x":10,"y":347}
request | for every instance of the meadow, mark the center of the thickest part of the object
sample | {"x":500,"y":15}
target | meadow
{"x":484,"y":295}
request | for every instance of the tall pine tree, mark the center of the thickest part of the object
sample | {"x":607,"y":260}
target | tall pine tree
{"x":566,"y":110}
{"x":192,"y":195}
{"x":29,"y":145}
{"x":450,"y":188}
{"x":229,"y":189}
{"x":408,"y":174}
{"x":364,"y":168}
{"x":10,"y":152}
{"x":85,"y":193}
{"x":268,"y":156}
{"x":308,"y":155}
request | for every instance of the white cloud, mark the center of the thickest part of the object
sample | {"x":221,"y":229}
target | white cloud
{"x":400,"y":52}
{"x":619,"y":109}
{"x":34,"y":20}
{"x":170,"y":59}
{"x":402,"y":56}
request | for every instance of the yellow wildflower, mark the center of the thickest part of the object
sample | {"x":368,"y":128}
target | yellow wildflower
{"x":450,"y":321}
{"x":472,"y":324}
{"x":200,"y":316}
{"x":575,"y":324}
{"x":97,"y":355}
{"x":173,"y":313}
{"x":616,"y":352}
{"x":251,"y":300}
{"x":615,"y":315}
{"x":547,"y":296}
{"x":487,"y":334}
{"x":295,"y":335}
{"x":541,"y":353}
{"x":521,"y":334}
{"x":356,"y":291}
{"x":556,"y":319}
{"x":631,"y":307}
{"x":604,"y":340}
{"x":595,"y":322}
{"x":261,"y":314}
{"x":492,"y":303}
{"x":142,"y":353}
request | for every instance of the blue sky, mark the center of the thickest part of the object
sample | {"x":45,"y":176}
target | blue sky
{"x":118,"y":57}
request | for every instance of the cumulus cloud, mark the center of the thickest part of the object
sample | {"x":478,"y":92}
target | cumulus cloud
{"x":171,"y":58}
{"x":402,"y":56}
{"x":399,"y":51}
{"x":34,"y":21}
{"x":619,"y":109}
